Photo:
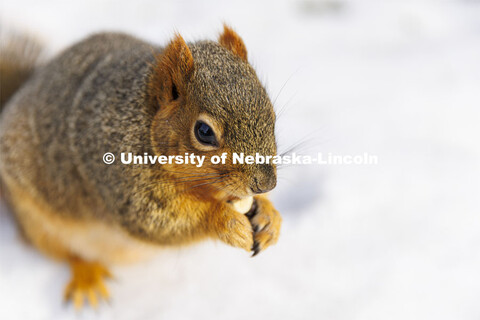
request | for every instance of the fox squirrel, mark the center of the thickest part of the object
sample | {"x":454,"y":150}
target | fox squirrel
{"x":115,"y":93}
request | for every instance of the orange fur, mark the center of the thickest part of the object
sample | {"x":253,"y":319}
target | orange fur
{"x":232,"y":41}
{"x":173,"y":68}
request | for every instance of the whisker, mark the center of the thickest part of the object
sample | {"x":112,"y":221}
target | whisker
{"x":283,"y":108}
{"x":283,"y":86}
{"x":208,"y":183}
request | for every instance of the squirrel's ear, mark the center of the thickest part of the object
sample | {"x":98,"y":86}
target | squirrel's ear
{"x":232,"y":41}
{"x":172,"y":70}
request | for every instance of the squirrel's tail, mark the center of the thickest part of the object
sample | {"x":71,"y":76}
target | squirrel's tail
{"x":19,"y":54}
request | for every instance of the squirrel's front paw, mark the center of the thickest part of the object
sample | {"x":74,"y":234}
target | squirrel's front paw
{"x":235,"y":229}
{"x":266,"y":223}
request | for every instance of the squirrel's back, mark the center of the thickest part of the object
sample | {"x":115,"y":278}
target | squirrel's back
{"x":98,"y":76}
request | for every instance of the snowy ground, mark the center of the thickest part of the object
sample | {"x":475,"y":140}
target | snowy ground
{"x":397,"y":240}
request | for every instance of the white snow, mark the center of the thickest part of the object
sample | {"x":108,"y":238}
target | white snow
{"x":397,"y":240}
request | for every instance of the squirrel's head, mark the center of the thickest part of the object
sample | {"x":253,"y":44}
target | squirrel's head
{"x":209,"y":102}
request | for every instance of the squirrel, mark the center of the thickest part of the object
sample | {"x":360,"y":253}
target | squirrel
{"x":115,"y":93}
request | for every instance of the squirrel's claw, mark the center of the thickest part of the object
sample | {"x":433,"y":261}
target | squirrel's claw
{"x":87,"y":282}
{"x":255,"y":249}
{"x":266,"y":222}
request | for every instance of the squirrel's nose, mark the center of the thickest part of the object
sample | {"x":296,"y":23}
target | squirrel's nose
{"x":264,"y":181}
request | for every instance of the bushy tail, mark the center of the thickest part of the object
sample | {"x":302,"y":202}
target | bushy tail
{"x":19,"y":54}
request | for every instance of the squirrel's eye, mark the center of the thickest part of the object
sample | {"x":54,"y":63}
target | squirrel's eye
{"x":205,"y":134}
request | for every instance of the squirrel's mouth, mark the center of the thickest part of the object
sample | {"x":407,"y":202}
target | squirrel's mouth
{"x":230,"y":186}
{"x":229,"y":195}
